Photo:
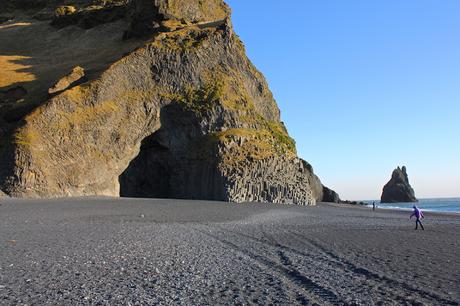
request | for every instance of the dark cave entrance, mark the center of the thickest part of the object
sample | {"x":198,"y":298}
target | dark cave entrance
{"x":148,"y":175}
{"x":173,"y":162}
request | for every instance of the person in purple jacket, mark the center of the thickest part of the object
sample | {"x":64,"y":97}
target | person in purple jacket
{"x":418,"y":215}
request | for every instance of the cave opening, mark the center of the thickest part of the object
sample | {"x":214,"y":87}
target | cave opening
{"x":147,"y":176}
{"x":176,"y":161}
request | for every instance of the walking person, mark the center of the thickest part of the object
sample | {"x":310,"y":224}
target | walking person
{"x":373,"y":205}
{"x":418,"y":215}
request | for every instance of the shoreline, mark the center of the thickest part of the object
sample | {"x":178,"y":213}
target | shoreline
{"x":391,"y":208}
{"x":337,"y":205}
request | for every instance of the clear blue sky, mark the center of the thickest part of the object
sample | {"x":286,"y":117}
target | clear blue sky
{"x":364,"y":86}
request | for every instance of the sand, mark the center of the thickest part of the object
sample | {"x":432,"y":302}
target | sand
{"x":134,"y":251}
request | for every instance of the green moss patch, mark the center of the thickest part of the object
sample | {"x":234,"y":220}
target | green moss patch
{"x":184,"y":40}
{"x":201,"y":99}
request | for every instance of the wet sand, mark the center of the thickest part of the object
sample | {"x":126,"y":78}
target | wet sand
{"x":135,"y":251}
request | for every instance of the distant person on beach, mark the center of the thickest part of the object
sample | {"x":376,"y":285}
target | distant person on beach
{"x":373,"y":205}
{"x":418,"y":215}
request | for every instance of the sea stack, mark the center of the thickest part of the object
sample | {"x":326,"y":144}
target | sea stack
{"x":170,"y":106}
{"x":398,"y":188}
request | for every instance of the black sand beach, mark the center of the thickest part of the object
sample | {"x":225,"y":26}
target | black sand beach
{"x":126,"y":251}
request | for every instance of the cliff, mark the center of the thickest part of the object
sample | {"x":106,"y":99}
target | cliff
{"x":142,"y":99}
{"x":330,"y":195}
{"x":398,"y":188}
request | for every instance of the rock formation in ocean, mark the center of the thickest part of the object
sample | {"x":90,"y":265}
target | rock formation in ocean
{"x":161,"y":101}
{"x":398,"y":188}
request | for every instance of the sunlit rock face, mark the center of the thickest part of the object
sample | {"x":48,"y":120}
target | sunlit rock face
{"x":170,"y":106}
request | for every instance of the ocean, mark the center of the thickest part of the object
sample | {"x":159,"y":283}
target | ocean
{"x":439,"y":205}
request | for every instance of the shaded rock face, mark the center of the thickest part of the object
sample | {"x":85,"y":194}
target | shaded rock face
{"x":12,"y":94}
{"x":398,"y":188}
{"x":148,"y":17}
{"x":185,"y":115}
{"x":179,"y":161}
{"x":330,"y":195}
{"x":176,"y":161}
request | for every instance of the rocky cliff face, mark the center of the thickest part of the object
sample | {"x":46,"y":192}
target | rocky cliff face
{"x":170,"y":106}
{"x":330,"y":195}
{"x":398,"y":188}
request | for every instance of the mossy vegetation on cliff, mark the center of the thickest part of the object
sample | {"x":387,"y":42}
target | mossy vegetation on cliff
{"x":201,"y":99}
{"x":83,"y":112}
{"x":82,"y":115}
{"x":257,"y":138}
{"x":25,"y":137}
{"x":278,"y":132}
{"x":256,"y":144}
{"x":183,"y":40}
{"x":266,"y":133}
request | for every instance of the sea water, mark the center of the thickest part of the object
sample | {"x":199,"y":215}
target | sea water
{"x":439,"y":204}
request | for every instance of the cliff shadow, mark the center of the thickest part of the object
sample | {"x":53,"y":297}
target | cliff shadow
{"x":34,"y":55}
